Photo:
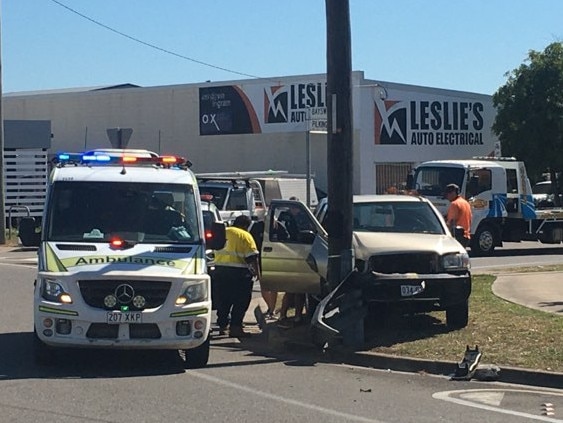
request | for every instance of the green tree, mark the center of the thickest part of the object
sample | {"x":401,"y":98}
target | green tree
{"x":529,"y":120}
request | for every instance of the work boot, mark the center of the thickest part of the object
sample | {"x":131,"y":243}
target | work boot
{"x":237,"y":332}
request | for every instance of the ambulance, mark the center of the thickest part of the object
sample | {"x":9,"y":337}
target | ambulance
{"x":122,"y":261}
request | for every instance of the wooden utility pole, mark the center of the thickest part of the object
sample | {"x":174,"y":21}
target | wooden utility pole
{"x":339,"y":138}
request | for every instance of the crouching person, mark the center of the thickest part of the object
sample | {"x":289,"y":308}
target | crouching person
{"x":236,"y":266}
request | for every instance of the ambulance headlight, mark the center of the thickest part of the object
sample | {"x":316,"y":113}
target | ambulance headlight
{"x":52,"y":290}
{"x":193,"y":293}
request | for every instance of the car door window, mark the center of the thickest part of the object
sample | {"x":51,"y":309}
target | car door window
{"x":290,"y":223}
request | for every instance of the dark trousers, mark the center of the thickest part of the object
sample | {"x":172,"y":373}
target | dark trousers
{"x":233,"y":287}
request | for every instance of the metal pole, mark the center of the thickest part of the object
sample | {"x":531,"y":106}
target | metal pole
{"x":2,"y":185}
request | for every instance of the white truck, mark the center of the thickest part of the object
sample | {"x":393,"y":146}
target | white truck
{"x":122,"y":260}
{"x":251,"y":193}
{"x":500,"y":196}
{"x":233,"y":194}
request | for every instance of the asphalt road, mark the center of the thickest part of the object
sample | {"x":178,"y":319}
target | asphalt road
{"x":243,"y":382}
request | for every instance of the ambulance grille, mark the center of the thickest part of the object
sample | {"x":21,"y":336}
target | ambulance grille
{"x":144,"y":331}
{"x":176,"y":250}
{"x":76,"y":247}
{"x":136,"y":331}
{"x":102,"y":331}
{"x":95,"y":291}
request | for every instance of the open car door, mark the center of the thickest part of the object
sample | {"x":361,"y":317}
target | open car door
{"x":290,"y":232}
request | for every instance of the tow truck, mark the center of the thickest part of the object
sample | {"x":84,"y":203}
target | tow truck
{"x":501,"y":199}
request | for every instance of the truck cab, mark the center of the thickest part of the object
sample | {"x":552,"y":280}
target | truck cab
{"x":122,"y":260}
{"x":501,"y":199}
{"x":233,"y":196}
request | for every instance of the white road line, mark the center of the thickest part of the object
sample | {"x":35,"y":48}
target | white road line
{"x":446,"y":396}
{"x":348,"y":417}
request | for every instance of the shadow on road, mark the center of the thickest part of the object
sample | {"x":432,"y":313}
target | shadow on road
{"x":17,"y":361}
{"x":398,"y":329}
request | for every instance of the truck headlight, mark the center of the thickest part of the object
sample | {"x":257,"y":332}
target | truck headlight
{"x":456,"y":261}
{"x":52,"y":290}
{"x":193,"y":293}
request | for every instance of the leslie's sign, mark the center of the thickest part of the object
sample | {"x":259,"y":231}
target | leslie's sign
{"x":407,"y":118}
{"x":262,"y":108}
{"x":430,"y":122}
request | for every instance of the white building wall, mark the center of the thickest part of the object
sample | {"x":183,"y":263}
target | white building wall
{"x":167,"y":120}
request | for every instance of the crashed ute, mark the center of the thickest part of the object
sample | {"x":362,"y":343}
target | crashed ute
{"x":405,"y":257}
{"x":122,"y":257}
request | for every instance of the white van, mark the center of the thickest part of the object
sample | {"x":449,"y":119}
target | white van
{"x":122,"y":257}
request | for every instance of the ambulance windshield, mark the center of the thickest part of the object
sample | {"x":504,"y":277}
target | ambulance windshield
{"x":136,"y":212}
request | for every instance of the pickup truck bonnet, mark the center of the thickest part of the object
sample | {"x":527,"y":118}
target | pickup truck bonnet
{"x":367,"y":244}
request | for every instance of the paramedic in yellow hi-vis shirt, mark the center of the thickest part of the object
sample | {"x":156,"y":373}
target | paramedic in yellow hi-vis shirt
{"x":236,"y":265}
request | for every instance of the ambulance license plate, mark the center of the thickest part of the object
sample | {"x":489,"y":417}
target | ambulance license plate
{"x":117,"y":317}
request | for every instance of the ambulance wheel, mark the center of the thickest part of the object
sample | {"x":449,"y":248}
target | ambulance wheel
{"x":483,"y":242}
{"x":43,"y":355}
{"x":197,"y":357}
{"x":457,"y":316}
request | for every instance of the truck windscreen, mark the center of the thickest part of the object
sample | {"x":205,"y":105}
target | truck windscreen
{"x":137,"y":212}
{"x":432,"y":181}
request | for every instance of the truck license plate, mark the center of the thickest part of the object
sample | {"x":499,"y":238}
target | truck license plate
{"x":116,"y":317}
{"x":410,"y":290}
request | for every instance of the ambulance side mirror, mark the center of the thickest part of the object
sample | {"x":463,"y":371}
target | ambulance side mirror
{"x":29,"y":233}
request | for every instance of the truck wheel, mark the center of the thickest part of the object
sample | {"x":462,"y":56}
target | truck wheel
{"x":457,"y":316}
{"x":43,"y":355}
{"x":483,"y":242}
{"x":197,"y":357}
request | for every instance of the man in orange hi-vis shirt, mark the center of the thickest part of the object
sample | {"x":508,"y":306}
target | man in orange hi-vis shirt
{"x":459,"y":213}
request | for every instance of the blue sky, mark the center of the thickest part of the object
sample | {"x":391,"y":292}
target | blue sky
{"x":452,"y":44}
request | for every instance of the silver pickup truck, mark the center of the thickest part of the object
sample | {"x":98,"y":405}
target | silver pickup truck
{"x":405,"y":256}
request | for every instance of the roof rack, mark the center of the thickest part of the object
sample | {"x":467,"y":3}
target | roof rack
{"x":498,"y":159}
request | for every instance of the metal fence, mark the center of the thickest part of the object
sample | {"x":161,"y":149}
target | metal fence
{"x":25,"y":177}
{"x":390,"y":177}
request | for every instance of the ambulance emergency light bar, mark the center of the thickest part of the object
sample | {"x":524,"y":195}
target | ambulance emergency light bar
{"x":121,"y":157}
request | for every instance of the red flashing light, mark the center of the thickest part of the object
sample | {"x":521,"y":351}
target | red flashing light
{"x":208,"y":234}
{"x":116,"y":243}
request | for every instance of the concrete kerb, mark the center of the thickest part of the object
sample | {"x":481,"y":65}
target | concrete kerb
{"x":297,"y":341}
{"x":340,"y":354}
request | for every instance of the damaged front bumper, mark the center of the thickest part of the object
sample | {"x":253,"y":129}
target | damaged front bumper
{"x":343,"y":307}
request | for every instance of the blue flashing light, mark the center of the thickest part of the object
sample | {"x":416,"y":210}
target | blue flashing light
{"x":96,"y":158}
{"x":68,"y":157}
{"x":124,"y":157}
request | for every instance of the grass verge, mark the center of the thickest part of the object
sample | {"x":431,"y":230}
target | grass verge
{"x":507,"y":334}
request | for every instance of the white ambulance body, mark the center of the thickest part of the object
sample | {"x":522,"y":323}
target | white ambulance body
{"x":122,"y":258}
